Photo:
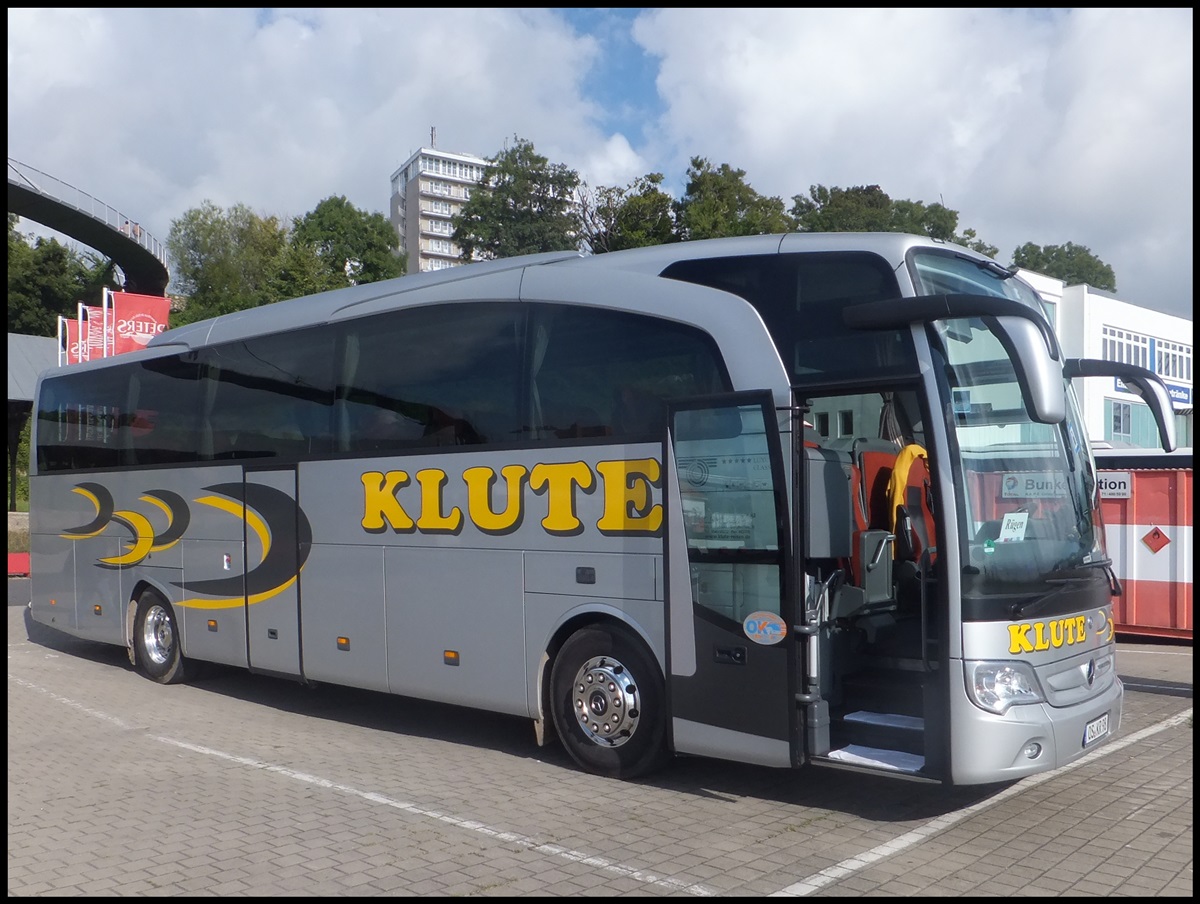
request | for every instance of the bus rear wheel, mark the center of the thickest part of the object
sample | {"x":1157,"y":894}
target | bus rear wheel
{"x":156,"y":640}
{"x":608,"y":702}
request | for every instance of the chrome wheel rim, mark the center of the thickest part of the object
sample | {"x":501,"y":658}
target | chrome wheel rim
{"x":606,"y":702}
{"x":158,"y":635}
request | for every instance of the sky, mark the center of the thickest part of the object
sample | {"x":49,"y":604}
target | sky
{"x":1037,"y":125}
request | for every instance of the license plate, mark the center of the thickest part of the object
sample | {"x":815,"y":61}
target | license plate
{"x":1095,"y":730}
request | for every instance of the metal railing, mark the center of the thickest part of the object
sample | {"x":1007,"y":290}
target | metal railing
{"x":69,"y":195}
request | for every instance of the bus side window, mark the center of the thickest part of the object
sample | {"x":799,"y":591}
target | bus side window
{"x":269,"y":396}
{"x":379,"y":428}
{"x":431,"y":375}
{"x":598,"y":372}
{"x":637,"y":411}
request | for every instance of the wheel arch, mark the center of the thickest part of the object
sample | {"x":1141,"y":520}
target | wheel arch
{"x":607,"y":615}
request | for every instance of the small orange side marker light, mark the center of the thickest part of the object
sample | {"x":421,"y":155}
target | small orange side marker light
{"x":450,"y":657}
{"x":343,"y":643}
{"x":96,"y":609}
{"x":53,"y":602}
{"x":212,"y":624}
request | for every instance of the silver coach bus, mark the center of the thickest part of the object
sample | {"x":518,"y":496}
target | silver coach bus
{"x":780,"y":500}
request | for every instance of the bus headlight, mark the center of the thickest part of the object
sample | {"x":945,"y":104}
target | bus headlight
{"x":995,"y":686}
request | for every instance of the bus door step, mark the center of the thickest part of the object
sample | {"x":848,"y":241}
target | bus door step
{"x":891,"y":760}
{"x":887,"y":720}
{"x":868,"y":729}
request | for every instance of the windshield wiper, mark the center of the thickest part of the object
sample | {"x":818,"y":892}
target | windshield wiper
{"x":1114,"y":584}
{"x":1019,"y":610}
{"x":990,"y":266}
{"x":997,"y":269}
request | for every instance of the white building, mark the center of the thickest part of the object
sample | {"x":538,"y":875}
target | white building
{"x":427,"y":191}
{"x":1091,"y":323}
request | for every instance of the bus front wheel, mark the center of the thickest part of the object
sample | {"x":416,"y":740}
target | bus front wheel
{"x":609,"y":702}
{"x":156,"y":640}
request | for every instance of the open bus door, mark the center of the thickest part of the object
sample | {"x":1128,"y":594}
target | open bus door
{"x":732,"y":667}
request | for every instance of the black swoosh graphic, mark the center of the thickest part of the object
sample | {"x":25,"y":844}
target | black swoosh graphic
{"x":104,"y":510}
{"x":180,"y":517}
{"x":286,"y":553}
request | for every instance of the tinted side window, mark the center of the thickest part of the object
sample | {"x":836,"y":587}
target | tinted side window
{"x":597,"y":372}
{"x":431,"y":376}
{"x":165,"y":418}
{"x":800,"y":298}
{"x":271,"y":396}
{"x":83,"y":420}
{"x":144,"y":413}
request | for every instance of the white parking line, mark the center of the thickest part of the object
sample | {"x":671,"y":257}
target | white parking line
{"x":1122,"y":652}
{"x":553,"y":850}
{"x":806,"y":886}
{"x":120,"y":723}
{"x":819,"y":880}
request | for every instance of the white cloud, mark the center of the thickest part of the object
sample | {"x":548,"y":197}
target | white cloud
{"x":613,"y":163}
{"x":1036,"y":125}
{"x":157,"y":111}
{"x":1040,"y":126}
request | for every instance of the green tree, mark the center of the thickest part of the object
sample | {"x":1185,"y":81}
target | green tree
{"x":916,"y":217}
{"x":352,"y":245}
{"x":225,"y":260}
{"x":968,"y":239}
{"x":868,"y":208}
{"x":228,"y":260}
{"x":523,"y":204}
{"x":719,"y":202}
{"x":22,"y":494}
{"x":864,"y":208}
{"x":1073,"y":264}
{"x":47,"y":279}
{"x":298,"y":271}
{"x":634,"y":216}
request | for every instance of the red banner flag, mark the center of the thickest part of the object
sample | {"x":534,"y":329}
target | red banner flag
{"x":137,"y":319}
{"x":98,"y":331}
{"x":71,"y":346}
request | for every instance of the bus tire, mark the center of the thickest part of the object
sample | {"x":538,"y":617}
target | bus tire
{"x":608,"y":702}
{"x":156,"y":640}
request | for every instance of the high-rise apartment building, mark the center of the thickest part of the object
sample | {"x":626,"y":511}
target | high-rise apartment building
{"x":427,"y":191}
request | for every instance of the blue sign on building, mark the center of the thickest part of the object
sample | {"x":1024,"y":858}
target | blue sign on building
{"x":1180,"y":395}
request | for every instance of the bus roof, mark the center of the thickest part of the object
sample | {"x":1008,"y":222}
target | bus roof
{"x":486,"y":278}
{"x":891,"y":246}
{"x":309,"y":309}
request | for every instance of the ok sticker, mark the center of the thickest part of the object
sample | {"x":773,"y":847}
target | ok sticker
{"x":764,"y":627}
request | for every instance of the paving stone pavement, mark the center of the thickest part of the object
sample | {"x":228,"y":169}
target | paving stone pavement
{"x":241,"y":784}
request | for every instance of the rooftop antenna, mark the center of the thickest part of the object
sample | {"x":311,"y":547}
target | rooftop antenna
{"x":433,"y":136}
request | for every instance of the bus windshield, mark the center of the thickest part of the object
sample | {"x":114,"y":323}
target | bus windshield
{"x":1027,"y":489}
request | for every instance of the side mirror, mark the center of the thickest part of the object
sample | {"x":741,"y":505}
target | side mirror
{"x":1023,"y":331}
{"x":1038,"y":372}
{"x":1145,"y":384}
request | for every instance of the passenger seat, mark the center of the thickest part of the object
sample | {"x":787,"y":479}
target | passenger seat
{"x":910,"y":504}
{"x":872,"y":461}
